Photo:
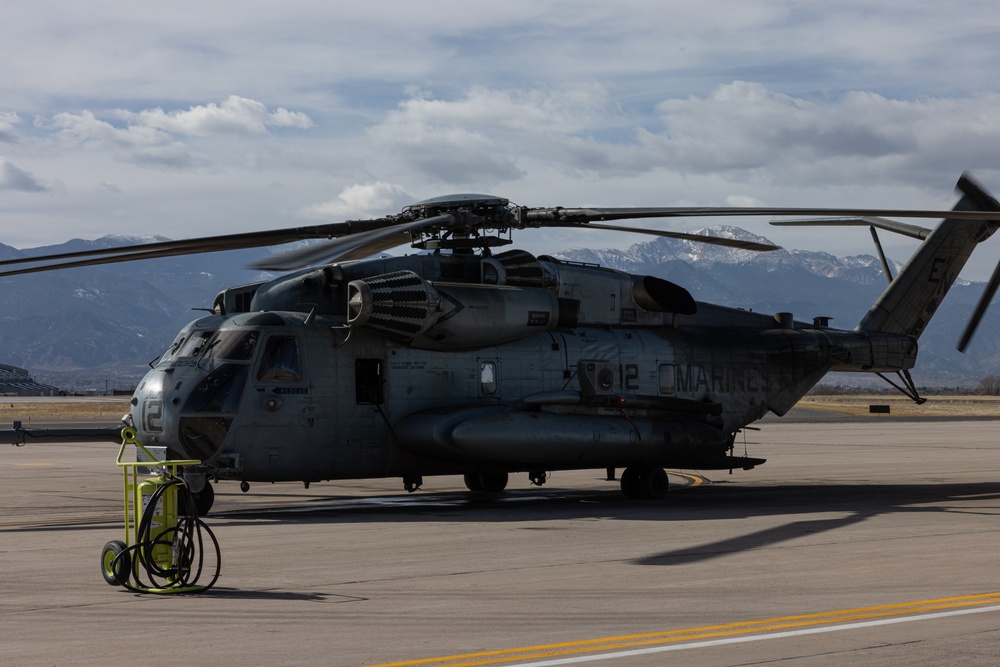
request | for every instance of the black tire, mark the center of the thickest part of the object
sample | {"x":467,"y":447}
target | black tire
{"x":204,"y":499}
{"x":473,"y":483}
{"x":631,"y":482}
{"x":655,"y":484}
{"x":493,"y":482}
{"x":116,"y":564}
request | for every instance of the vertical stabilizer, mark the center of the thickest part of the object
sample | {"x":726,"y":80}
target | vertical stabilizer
{"x":910,"y":301}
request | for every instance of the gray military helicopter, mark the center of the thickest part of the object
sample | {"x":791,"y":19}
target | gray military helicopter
{"x":464,"y":360}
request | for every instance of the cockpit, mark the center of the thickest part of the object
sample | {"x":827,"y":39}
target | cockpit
{"x":195,"y":390}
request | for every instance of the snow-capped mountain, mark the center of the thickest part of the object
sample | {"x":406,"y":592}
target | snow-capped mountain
{"x":69,"y":327}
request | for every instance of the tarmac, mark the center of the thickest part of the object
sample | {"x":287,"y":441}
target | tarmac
{"x":859,"y":541}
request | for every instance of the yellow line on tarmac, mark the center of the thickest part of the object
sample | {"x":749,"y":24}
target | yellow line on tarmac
{"x":589,"y":646}
{"x":695,"y":480}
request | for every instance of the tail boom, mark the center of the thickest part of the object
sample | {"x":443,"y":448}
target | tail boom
{"x":910,"y":301}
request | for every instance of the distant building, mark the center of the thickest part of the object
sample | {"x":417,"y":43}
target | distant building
{"x":16,"y":381}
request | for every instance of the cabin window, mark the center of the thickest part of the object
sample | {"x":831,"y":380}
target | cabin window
{"x":368,"y":381}
{"x":488,"y":377}
{"x":667,"y":385}
{"x":280,"y":361}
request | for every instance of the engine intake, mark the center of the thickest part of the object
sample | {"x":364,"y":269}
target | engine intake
{"x":447,"y":316}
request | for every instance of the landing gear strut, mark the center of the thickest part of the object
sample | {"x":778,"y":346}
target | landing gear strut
{"x":644,"y":483}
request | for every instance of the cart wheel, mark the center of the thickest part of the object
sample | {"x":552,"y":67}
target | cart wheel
{"x":116,"y":573}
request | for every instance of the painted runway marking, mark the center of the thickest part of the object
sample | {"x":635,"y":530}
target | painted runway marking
{"x":612,"y":648}
{"x":692,"y":479}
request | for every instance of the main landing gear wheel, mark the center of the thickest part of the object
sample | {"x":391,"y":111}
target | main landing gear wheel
{"x":644,"y":483}
{"x":486,"y":482}
{"x":115,"y":568}
{"x":204,"y":499}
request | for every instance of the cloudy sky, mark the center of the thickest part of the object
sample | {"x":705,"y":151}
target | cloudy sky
{"x":193,"y":118}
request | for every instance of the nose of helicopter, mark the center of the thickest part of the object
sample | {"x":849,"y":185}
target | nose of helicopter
{"x":188,"y":409}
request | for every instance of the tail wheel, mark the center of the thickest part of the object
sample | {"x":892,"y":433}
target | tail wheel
{"x":116,"y":564}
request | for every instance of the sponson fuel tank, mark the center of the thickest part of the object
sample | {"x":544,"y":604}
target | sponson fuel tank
{"x":500,"y":435}
{"x":453,"y":316}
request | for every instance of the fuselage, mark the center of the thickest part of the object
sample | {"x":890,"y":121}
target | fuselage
{"x":575,"y":366}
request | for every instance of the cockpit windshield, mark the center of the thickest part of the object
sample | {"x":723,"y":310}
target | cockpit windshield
{"x":229,"y":345}
{"x":187,"y":344}
{"x":194,"y":344}
{"x":233,"y":345}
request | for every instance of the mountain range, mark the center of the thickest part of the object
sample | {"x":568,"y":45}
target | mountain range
{"x":88,"y":328}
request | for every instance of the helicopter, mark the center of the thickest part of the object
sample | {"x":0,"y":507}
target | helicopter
{"x":469,"y":359}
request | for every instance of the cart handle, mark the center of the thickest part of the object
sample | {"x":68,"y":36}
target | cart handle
{"x":130,"y":437}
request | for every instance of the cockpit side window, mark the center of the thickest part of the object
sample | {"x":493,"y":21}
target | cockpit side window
{"x":174,"y":347}
{"x":280,"y":361}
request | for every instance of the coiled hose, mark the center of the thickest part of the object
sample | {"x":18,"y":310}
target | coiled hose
{"x":186,"y":539}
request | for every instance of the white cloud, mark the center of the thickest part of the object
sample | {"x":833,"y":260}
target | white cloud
{"x":363,"y":201}
{"x":155,"y":138}
{"x":479,"y":137}
{"x":631,"y":103}
{"x":146,"y":146}
{"x":235,"y":115}
{"x":8,"y":134}
{"x":15,"y":179}
{"x":745,"y":129}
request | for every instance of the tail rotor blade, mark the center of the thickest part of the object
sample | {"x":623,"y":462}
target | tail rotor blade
{"x":977,"y":314}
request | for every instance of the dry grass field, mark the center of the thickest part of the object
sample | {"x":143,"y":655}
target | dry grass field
{"x":36,"y":409}
{"x":900,"y":406}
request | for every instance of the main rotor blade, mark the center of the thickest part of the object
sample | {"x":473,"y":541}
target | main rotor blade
{"x":135,"y":254}
{"x":913,"y":231}
{"x":360,"y":238}
{"x":977,"y":314}
{"x":355,"y":246}
{"x":711,"y":240}
{"x":543,"y":215}
{"x":194,"y":246}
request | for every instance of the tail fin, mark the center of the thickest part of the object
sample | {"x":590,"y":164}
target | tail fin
{"x":911,"y":299}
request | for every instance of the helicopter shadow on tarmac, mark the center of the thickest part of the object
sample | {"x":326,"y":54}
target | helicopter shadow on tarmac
{"x":856,"y":503}
{"x":275,"y":595}
{"x":851,"y":504}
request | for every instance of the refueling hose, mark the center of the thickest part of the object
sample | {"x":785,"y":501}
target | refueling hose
{"x":185,"y":539}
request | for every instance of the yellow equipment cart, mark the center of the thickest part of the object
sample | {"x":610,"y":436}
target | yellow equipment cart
{"x":164,"y":547}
